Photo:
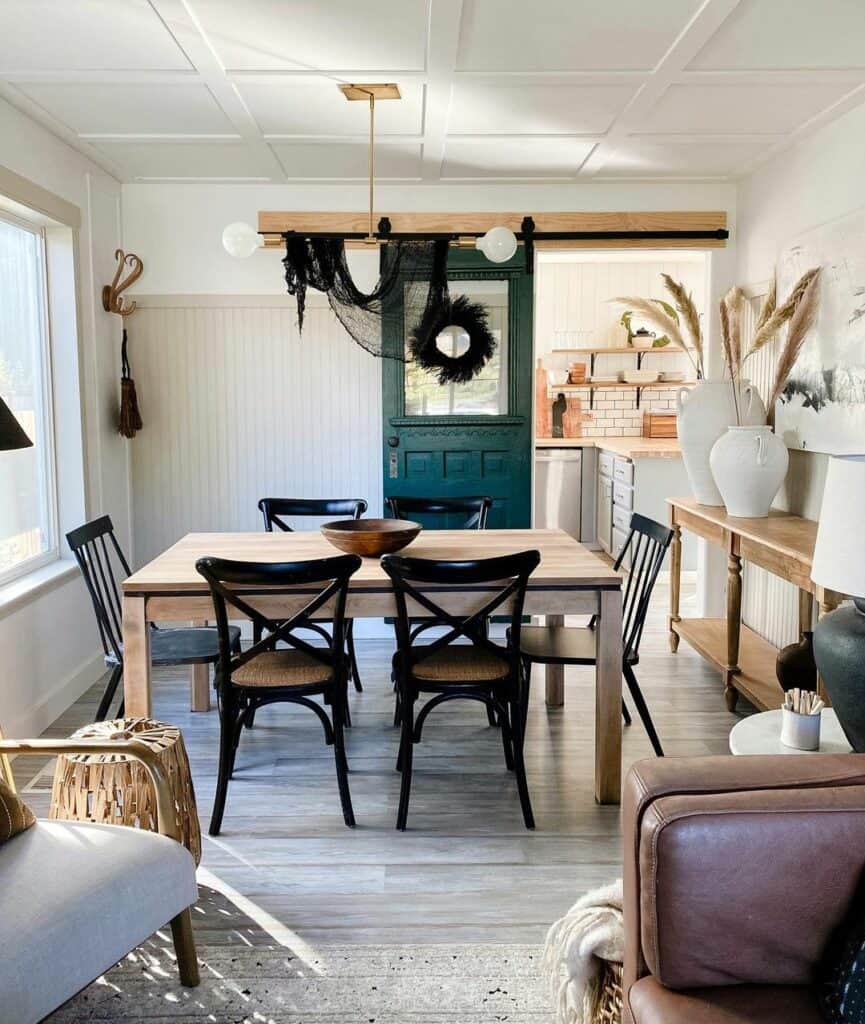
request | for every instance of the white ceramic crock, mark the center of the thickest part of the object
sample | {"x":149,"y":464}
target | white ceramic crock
{"x":703,"y":413}
{"x":749,"y":465}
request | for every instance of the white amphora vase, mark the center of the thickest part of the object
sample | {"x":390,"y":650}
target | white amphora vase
{"x":703,"y":414}
{"x":749,"y":465}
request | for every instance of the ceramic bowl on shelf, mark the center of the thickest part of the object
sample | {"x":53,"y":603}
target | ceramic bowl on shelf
{"x":371,"y":538}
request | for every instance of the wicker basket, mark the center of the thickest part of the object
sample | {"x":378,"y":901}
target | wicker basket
{"x":610,"y":1000}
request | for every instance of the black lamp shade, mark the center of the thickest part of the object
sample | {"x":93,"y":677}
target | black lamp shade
{"x":12,"y":435}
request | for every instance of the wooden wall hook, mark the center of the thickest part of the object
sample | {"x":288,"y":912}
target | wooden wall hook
{"x":112,"y":300}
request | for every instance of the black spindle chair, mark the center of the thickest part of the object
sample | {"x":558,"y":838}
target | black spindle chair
{"x":479,"y":670}
{"x":646,"y":544}
{"x":276,"y":510}
{"x":103,"y":566}
{"x":263,"y":674}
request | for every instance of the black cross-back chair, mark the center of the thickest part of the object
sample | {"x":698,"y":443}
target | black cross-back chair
{"x":647,"y":543}
{"x":103,"y":566}
{"x":476,"y":509}
{"x":264,"y":674}
{"x":479,"y":670}
{"x":276,"y":510}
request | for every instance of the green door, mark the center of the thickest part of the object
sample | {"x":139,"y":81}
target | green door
{"x":475,"y":438}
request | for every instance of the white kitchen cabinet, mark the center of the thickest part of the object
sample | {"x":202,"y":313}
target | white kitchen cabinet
{"x":604,"y":514}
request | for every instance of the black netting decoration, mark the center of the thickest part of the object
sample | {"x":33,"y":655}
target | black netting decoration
{"x":418,"y":268}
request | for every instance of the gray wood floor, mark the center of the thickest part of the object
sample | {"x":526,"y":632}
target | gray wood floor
{"x":467,"y":870}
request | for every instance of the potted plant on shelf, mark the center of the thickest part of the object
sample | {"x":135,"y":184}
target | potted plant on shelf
{"x":748,"y":461}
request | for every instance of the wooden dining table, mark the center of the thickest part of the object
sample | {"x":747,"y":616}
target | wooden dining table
{"x":570,"y":580}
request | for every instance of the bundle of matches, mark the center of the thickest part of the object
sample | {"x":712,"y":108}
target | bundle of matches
{"x":803,"y":702}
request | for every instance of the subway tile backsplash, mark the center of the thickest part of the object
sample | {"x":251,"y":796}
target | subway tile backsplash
{"x":616,"y":413}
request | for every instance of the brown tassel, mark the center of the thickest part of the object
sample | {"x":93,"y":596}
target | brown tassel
{"x":130,"y":416}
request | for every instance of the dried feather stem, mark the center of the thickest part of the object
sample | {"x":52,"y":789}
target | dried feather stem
{"x":769,"y":304}
{"x":690,"y":317}
{"x":727,"y":341}
{"x":801,"y":322}
{"x":783,"y":313}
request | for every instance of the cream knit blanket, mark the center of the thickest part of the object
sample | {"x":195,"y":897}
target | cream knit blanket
{"x":591,"y":931}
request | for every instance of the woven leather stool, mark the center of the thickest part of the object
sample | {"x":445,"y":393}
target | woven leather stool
{"x":111,"y":789}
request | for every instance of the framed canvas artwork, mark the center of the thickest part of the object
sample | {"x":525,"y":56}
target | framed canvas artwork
{"x":823,"y":405}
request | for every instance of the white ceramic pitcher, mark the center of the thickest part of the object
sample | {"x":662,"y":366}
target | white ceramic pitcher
{"x":749,"y":465}
{"x":703,"y":414}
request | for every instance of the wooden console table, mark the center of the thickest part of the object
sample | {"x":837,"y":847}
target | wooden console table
{"x":783,"y":544}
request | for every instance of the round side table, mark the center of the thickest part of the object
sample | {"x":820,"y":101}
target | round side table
{"x":114,"y":789}
{"x":761,"y":734}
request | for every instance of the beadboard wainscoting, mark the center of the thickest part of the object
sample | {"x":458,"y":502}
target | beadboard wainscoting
{"x":769,"y":604}
{"x":238,"y":405}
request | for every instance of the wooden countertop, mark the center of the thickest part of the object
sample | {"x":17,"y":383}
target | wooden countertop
{"x":627,"y":447}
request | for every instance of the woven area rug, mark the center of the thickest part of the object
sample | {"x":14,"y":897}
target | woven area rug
{"x":248,"y":978}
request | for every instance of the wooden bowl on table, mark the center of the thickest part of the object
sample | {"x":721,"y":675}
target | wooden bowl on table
{"x":370,"y":538}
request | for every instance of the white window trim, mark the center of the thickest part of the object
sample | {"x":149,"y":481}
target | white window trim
{"x":38,"y":562}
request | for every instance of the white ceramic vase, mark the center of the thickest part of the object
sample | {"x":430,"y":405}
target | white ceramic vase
{"x":703,"y":413}
{"x":749,"y":465}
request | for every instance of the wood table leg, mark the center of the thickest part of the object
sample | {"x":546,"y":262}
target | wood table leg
{"x":199,"y":683}
{"x":136,"y":658}
{"x":734,"y":622}
{"x":555,"y":674}
{"x":675,"y":583}
{"x":608,"y":700}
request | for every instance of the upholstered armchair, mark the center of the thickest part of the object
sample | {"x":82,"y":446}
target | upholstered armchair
{"x":737,"y":870}
{"x":77,"y":897}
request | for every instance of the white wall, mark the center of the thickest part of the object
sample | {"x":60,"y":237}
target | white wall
{"x":820,"y":179}
{"x":51,"y":651}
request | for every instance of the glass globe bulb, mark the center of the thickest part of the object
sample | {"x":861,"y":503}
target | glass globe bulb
{"x":240,"y":240}
{"x":498,"y":244}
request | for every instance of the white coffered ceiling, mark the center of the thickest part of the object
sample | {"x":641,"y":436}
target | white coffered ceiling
{"x":494,"y":90}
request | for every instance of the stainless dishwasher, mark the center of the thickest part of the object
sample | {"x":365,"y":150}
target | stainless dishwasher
{"x":558,"y":489}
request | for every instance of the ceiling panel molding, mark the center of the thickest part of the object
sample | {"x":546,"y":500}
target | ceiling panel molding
{"x":495,"y":91}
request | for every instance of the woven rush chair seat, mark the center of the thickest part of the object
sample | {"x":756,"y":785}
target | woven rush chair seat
{"x":461,"y":663}
{"x":281,"y":668}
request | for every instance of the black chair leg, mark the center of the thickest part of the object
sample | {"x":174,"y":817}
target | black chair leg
{"x":491,"y":716}
{"x":508,"y":732}
{"x":227,"y":746}
{"x":341,"y":760}
{"x":352,"y":655}
{"x":642,"y":710}
{"x":405,"y":763}
{"x":625,"y":713}
{"x":519,"y":764}
{"x":108,"y":695}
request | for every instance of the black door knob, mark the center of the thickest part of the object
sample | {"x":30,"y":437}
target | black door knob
{"x":393,"y":441}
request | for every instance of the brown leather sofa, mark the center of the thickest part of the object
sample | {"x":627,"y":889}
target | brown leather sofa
{"x":737,"y":869}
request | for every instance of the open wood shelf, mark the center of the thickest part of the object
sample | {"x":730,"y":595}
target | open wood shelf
{"x":757,"y":680}
{"x":592,"y":387}
{"x":617,"y":350}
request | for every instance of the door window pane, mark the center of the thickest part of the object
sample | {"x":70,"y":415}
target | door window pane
{"x":486,"y":394}
{"x":27,"y":516}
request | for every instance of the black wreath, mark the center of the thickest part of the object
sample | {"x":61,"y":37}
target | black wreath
{"x":460,"y":312}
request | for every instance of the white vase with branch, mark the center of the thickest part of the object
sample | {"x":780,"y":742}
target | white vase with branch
{"x":749,"y":462}
{"x":704,"y":411}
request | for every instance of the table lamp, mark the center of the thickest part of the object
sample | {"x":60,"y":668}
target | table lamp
{"x":12,"y":435}
{"x":839,"y":565}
